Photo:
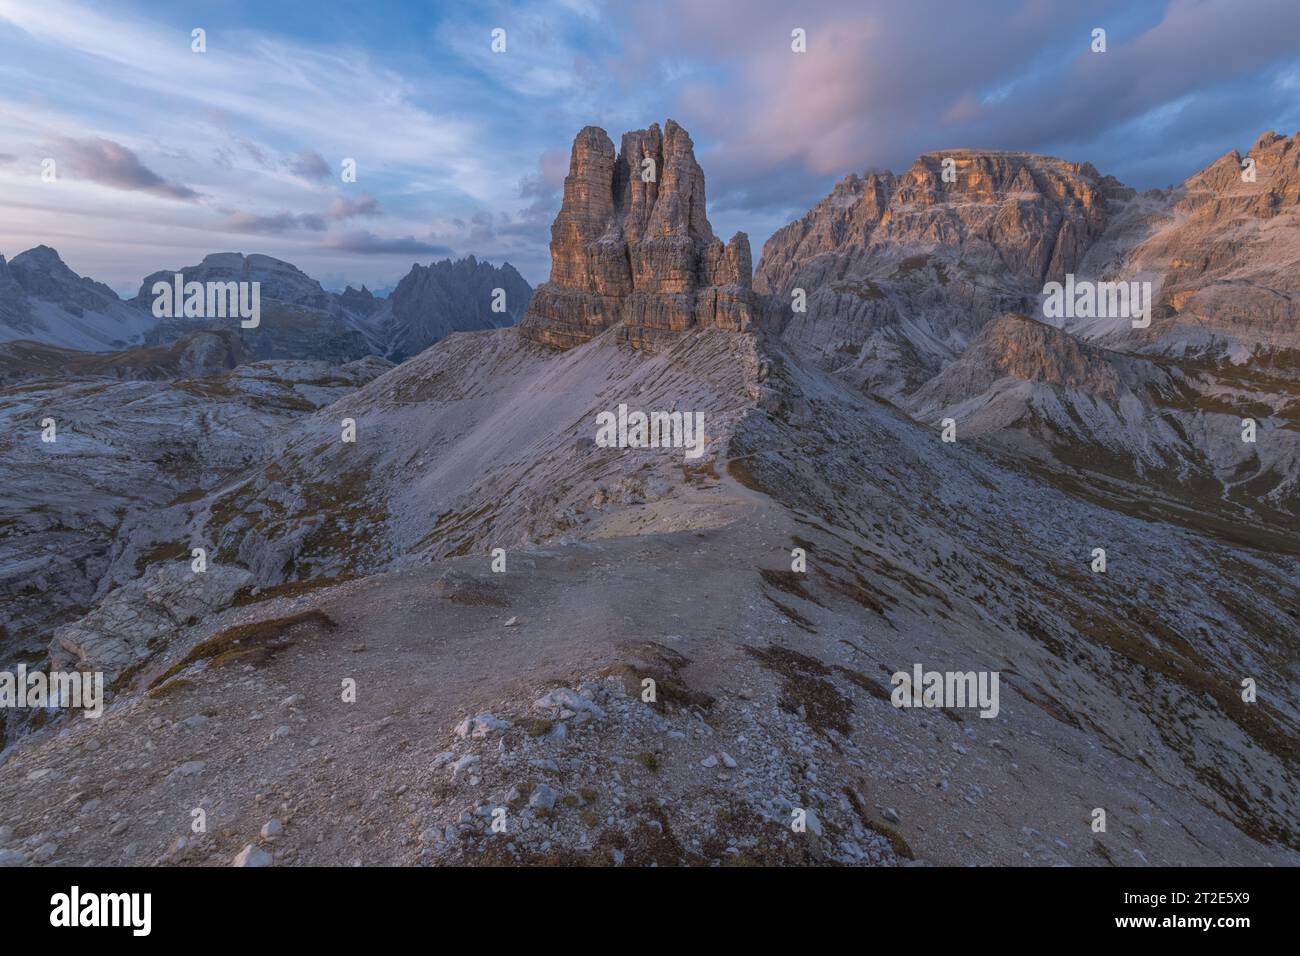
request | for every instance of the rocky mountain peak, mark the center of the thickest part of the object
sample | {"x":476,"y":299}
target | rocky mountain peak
{"x":298,"y":318}
{"x":433,"y":301}
{"x":43,"y":300}
{"x":993,"y":208}
{"x":1018,"y":348}
{"x":1223,"y":246}
{"x":44,"y":274}
{"x":632,"y":243}
{"x":361,"y":301}
{"x":1226,"y":184}
{"x":42,"y":257}
{"x":901,"y":271}
{"x":1266,"y":139}
{"x":1024,"y":348}
{"x":279,"y":281}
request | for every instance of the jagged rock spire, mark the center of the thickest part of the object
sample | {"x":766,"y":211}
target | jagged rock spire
{"x":632,"y":244}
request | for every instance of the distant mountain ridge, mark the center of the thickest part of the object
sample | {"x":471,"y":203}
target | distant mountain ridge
{"x":203,"y":352}
{"x":43,"y":301}
{"x":433,"y":301}
{"x":299,"y":319}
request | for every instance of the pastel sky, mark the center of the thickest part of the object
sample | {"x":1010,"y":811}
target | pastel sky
{"x":164,"y":155}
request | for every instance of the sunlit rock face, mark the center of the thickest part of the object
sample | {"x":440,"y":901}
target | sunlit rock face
{"x":636,"y":248}
{"x":891,"y":276}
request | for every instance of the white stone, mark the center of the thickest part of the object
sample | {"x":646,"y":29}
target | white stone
{"x":252,"y":856}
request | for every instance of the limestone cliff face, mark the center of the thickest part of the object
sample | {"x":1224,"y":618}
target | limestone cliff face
{"x":1018,"y":213}
{"x":1222,"y":251}
{"x":638,"y":252}
{"x":901,"y":272}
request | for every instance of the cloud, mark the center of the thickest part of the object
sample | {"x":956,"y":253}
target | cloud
{"x":544,"y":189}
{"x":112,"y":164}
{"x":342,"y":208}
{"x":128,"y":64}
{"x":271,"y":225}
{"x":1195,"y":49}
{"x":367,"y":243}
{"x":878,"y":87}
{"x":254,"y":152}
{"x":284,"y":221}
{"x":546,"y":183}
{"x":311,"y":165}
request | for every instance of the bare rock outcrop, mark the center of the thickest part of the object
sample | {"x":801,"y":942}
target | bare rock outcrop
{"x":1221,"y":252}
{"x":899,"y":273}
{"x":632,"y":244}
{"x":134,"y":622}
{"x":1031,"y":216}
{"x":15,"y":310}
{"x":1035,"y":389}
